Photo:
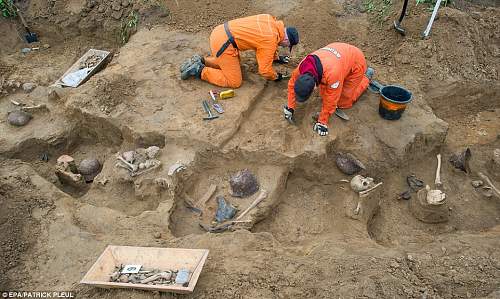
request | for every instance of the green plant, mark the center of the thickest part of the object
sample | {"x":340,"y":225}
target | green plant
{"x":369,"y":5}
{"x":129,"y":26}
{"x":380,"y":8}
{"x":7,"y":8}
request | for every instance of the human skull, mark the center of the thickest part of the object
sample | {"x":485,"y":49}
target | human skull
{"x":360,"y":183}
{"x":435,"y":197}
{"x":66,"y":163}
{"x":129,"y":156}
{"x":152,"y":151}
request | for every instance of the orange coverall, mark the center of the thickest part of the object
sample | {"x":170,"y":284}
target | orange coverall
{"x":261,"y":33}
{"x":343,"y":79}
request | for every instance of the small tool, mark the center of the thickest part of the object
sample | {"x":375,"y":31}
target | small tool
{"x":30,"y":37}
{"x":217,"y":106}
{"x":397,"y":24}
{"x":427,"y":31}
{"x":375,"y":86}
{"x":209,"y":116}
{"x":341,"y":114}
{"x":226,"y":94}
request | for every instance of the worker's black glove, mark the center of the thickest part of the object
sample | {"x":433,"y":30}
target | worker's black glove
{"x":288,"y":114}
{"x":279,"y":78}
{"x":321,"y":129}
{"x":282,"y":59}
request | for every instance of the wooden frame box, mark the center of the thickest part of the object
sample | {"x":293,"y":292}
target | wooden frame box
{"x":148,"y":257}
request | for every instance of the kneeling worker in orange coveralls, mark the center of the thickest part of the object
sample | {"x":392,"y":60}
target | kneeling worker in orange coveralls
{"x":262,"y":33}
{"x":342,"y":75}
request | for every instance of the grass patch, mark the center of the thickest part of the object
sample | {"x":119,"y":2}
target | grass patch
{"x":128,"y":27}
{"x":7,"y":9}
{"x":380,"y":9}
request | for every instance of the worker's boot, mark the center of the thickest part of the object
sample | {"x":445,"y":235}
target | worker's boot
{"x":188,"y":62}
{"x":193,"y":69}
{"x":369,"y":73}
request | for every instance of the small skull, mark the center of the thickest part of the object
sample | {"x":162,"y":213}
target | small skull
{"x":66,"y":163}
{"x":360,"y":183}
{"x":152,"y":151}
{"x":129,"y":156}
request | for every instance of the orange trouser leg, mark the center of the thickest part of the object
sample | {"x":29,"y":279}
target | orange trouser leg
{"x":211,"y":61}
{"x":355,"y":83}
{"x":227,"y":75}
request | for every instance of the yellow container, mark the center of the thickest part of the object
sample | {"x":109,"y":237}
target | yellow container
{"x":226,"y":94}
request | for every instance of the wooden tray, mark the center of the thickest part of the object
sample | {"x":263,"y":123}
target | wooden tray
{"x":76,"y":66}
{"x":148,"y":257}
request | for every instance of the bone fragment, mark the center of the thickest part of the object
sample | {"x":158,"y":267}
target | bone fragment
{"x":144,"y":171}
{"x":437,"y":181}
{"x":165,"y":275}
{"x":16,"y":103}
{"x":261,"y":197}
{"x":488,"y":181}
{"x":206,"y":197}
{"x":366,"y":192}
{"x":121,"y":165}
{"x":32,"y":108}
{"x":358,"y":208}
{"x":132,"y":166}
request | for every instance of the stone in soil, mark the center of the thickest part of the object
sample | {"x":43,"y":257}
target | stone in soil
{"x":19,"y":118}
{"x":28,"y":87}
{"x":348,"y":163}
{"x":243,"y":183}
{"x":89,"y":168}
{"x":461,"y":160}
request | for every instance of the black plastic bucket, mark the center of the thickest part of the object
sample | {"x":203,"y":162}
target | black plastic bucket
{"x":393,"y":101}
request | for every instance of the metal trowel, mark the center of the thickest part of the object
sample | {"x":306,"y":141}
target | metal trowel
{"x":341,"y":114}
{"x":375,"y":86}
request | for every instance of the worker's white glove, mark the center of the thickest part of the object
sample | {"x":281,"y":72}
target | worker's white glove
{"x":321,"y":129}
{"x":283,"y":59}
{"x":288,"y":114}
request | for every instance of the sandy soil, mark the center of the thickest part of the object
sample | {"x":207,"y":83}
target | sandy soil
{"x":305,"y":239}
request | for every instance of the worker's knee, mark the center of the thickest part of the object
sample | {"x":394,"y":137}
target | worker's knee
{"x":234,"y":83}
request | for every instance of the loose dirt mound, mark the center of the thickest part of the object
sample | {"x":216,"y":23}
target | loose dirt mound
{"x":19,"y":223}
